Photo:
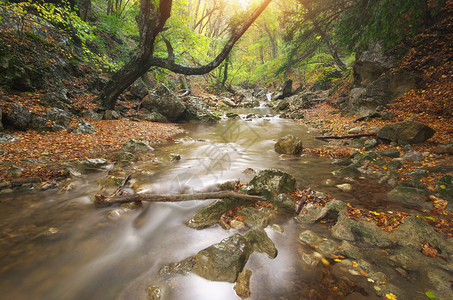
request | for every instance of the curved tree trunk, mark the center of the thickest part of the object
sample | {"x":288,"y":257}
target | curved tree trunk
{"x":151,"y":21}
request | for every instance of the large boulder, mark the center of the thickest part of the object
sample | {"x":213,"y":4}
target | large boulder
{"x":17,"y":117}
{"x":371,"y":64}
{"x":57,"y":98}
{"x":288,"y":145}
{"x":197,"y":110}
{"x":406,"y":132}
{"x":271,"y":183}
{"x":166,"y":102}
{"x":377,"y":94}
{"x":139,"y":89}
{"x":220,"y":262}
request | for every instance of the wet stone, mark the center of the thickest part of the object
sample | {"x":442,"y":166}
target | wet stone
{"x":288,"y":145}
{"x":392,"y":153}
{"x":260,"y":242}
{"x":270,"y":183}
{"x":309,"y":237}
{"x":242,"y":286}
{"x":137,"y":146}
{"x":254,"y":217}
{"x":223,"y":261}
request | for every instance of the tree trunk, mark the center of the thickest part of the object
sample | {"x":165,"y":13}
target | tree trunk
{"x":151,"y":21}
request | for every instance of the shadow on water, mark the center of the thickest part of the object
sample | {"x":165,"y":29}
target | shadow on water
{"x":58,"y":246}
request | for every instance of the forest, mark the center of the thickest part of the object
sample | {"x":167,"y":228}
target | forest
{"x":195,"y":149}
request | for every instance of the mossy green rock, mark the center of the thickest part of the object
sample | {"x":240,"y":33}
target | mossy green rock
{"x":349,"y":171}
{"x":270,"y":183}
{"x":223,"y":261}
{"x":210,"y":215}
{"x":256,"y":217}
{"x":445,"y":186}
{"x":409,"y":196}
{"x":288,"y":145}
{"x":261,"y":242}
{"x":137,"y":146}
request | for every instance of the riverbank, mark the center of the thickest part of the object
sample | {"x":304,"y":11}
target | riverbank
{"x":45,"y":154}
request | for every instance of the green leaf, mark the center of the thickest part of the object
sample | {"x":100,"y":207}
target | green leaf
{"x":431,"y":295}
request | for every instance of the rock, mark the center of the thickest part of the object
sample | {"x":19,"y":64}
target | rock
{"x":370,"y":64}
{"x":355,"y":130}
{"x":345,"y":187}
{"x":223,"y":261}
{"x":393,"y":153}
{"x":309,"y":237}
{"x":17,"y":117}
{"x":349,"y":250}
{"x":445,"y":186}
{"x":254,"y":217}
{"x":166,"y":102}
{"x":394,"y":164}
{"x":137,"y":146}
{"x":175,"y":157}
{"x":287,"y":88}
{"x":408,"y":196}
{"x":6,"y":138}
{"x":441,"y":281}
{"x":412,"y":156}
{"x":349,"y":171}
{"x":406,"y":132}
{"x":93,"y":164}
{"x":380,"y":92}
{"x":285,"y":201}
{"x":370,"y":144}
{"x":197,"y":110}
{"x":83,"y":127}
{"x":92,"y":115}
{"x":441,"y":149}
{"x":327,"y":247}
{"x":283,"y":105}
{"x":270,"y":183}
{"x":126,"y":157}
{"x":139,"y":89}
{"x":288,"y":145}
{"x":312,"y":213}
{"x":242,"y":286}
{"x":231,"y":115}
{"x":111,"y":115}
{"x":60,"y":119}
{"x":414,"y":231}
{"x":210,"y":215}
{"x":260,"y":242}
{"x":57,"y":98}
{"x":278,"y":228}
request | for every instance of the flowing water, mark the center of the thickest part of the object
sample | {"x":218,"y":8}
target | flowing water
{"x":58,"y":246}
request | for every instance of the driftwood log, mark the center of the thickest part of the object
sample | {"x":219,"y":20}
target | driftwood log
{"x":101,"y":200}
{"x":350,"y":136}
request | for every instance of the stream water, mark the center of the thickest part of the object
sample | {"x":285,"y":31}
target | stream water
{"x":58,"y":246}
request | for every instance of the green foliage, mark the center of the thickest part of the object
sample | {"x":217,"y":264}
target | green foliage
{"x":385,"y":21}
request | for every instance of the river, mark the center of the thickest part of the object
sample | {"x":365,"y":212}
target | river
{"x":58,"y":246}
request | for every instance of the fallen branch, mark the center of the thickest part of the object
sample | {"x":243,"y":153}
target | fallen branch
{"x":350,"y":136}
{"x":103,"y":201}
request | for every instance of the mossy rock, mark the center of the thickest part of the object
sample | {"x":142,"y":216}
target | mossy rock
{"x":271,"y":183}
